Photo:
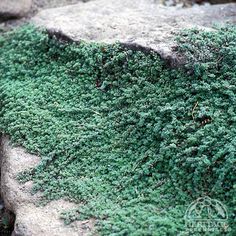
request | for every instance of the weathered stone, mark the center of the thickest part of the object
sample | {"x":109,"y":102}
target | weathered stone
{"x":135,"y":23}
{"x":32,"y":220}
{"x":14,"y":8}
{"x":220,"y":1}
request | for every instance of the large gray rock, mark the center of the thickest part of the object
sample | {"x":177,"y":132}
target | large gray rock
{"x":14,"y":8}
{"x":32,"y":220}
{"x":135,"y":23}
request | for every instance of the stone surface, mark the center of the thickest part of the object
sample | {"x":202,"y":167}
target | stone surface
{"x":7,"y":24}
{"x":54,"y":3}
{"x":44,"y":4}
{"x":135,"y":23}
{"x":14,"y":8}
{"x":32,"y":220}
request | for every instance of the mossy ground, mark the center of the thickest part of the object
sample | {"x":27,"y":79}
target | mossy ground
{"x":118,"y":131}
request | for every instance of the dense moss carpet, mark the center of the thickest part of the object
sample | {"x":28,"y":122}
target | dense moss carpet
{"x":132,"y":140}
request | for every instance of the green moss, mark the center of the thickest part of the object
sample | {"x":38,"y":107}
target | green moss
{"x":134,"y":141}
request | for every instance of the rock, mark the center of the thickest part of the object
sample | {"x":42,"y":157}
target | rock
{"x":188,"y":3}
{"x":32,"y":220}
{"x":219,"y":1}
{"x":44,"y":4}
{"x":139,"y":24}
{"x":14,"y":8}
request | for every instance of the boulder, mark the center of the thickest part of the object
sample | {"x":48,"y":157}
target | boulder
{"x":142,"y":24}
{"x":31,"y":218}
{"x":14,"y":8}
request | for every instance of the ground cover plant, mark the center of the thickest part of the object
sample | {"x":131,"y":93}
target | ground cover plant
{"x":132,"y":140}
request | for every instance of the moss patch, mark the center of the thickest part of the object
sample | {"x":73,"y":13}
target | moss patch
{"x":134,"y":141}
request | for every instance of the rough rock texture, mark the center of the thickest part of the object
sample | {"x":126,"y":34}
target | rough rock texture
{"x":44,"y":4}
{"x":37,"y":5}
{"x":14,"y":8}
{"x":54,"y":3}
{"x":136,"y":23}
{"x":30,"y":219}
